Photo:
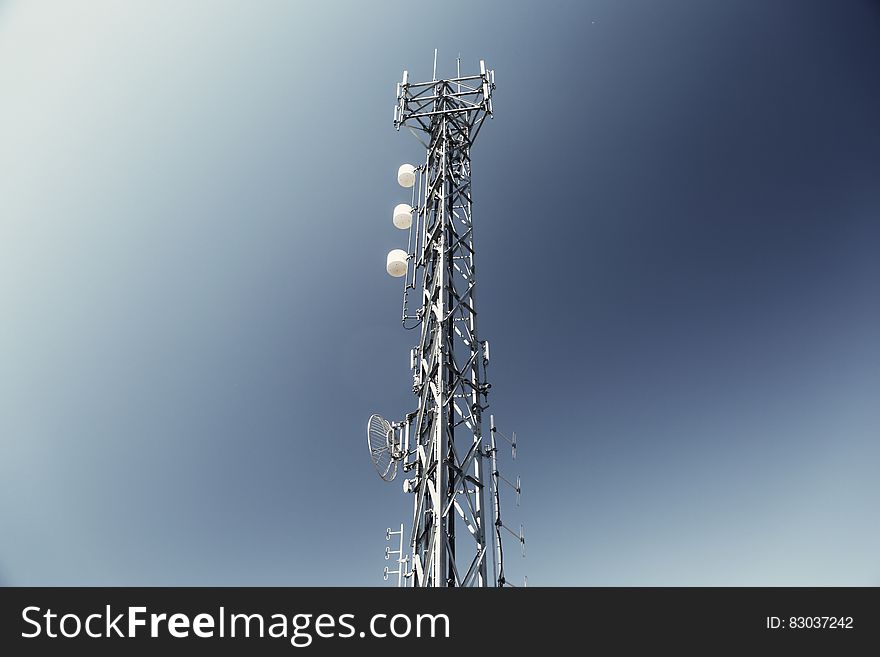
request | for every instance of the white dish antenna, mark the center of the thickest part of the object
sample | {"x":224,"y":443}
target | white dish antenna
{"x":402,"y":216}
{"x":406,"y":175}
{"x":395,"y":263}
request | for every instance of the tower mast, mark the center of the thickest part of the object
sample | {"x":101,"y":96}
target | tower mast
{"x":441,"y":445}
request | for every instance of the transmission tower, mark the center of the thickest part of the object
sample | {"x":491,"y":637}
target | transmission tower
{"x":451,"y":467}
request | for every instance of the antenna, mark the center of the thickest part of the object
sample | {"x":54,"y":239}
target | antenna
{"x":497,"y":480}
{"x":451,"y":465}
{"x":383,"y":442}
{"x":400,"y":557}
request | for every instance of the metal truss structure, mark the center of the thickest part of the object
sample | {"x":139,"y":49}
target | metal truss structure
{"x":451,"y":467}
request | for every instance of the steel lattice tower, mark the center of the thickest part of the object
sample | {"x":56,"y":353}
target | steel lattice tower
{"x":441,"y":445}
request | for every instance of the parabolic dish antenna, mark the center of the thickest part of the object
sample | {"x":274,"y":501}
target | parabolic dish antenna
{"x":384,"y":447}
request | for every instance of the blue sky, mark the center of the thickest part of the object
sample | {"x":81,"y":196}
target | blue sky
{"x":677,"y":218}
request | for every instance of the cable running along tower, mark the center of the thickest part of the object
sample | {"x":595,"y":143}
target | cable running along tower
{"x":450,"y":466}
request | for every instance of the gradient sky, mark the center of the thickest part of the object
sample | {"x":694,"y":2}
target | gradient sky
{"x":677,"y":221}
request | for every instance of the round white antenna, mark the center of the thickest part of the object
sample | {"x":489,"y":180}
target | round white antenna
{"x":396,"y":263}
{"x":384,"y":448}
{"x":406,"y":175}
{"x":402,"y":217}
